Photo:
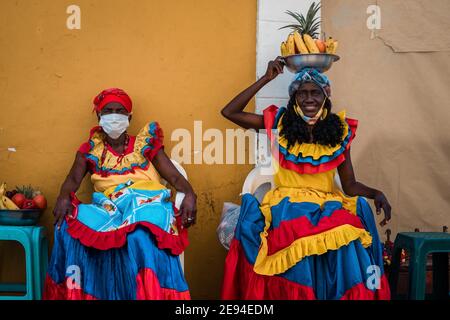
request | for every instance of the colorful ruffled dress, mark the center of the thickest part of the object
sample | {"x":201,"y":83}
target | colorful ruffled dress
{"x":306,"y":239}
{"x":126,"y":244}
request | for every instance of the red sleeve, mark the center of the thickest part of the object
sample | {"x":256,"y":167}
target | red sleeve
{"x":85,"y":147}
{"x":269,"y":115}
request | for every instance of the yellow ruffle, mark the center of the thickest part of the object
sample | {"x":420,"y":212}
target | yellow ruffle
{"x":139,"y":185}
{"x":313,"y":150}
{"x":303,"y":194}
{"x":312,"y":245}
{"x":141,"y":138}
{"x":102,"y":183}
{"x":317,"y":244}
{"x":133,"y":158}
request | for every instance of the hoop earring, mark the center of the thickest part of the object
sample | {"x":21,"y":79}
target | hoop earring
{"x":297,"y":109}
{"x":324,"y":114}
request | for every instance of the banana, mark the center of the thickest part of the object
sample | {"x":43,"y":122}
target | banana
{"x":331,"y":45}
{"x":2,"y":188}
{"x":301,"y":47}
{"x":5,"y":202}
{"x":328,"y":44}
{"x":291,"y":44}
{"x":8,"y":204}
{"x":310,"y":43}
{"x":284,"y":49}
{"x":335,"y":45}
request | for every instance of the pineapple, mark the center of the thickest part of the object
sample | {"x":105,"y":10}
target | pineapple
{"x":306,"y":25}
{"x":306,"y":34}
{"x":27,"y":191}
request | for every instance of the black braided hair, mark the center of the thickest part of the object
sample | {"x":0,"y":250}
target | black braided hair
{"x":326,"y":132}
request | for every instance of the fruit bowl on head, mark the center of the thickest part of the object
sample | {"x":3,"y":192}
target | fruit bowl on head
{"x":22,"y":217}
{"x":320,"y":61}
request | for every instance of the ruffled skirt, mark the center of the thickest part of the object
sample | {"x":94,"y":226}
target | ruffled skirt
{"x":125,"y":245}
{"x":305,"y":244}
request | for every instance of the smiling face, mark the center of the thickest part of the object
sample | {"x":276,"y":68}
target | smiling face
{"x":310,"y":98}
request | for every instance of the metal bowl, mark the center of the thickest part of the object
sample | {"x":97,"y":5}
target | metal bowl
{"x":23,"y":217}
{"x":320,"y":61}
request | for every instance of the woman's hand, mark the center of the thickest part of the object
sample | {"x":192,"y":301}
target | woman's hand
{"x":188,"y":210}
{"x":382,"y":203}
{"x":274,"y":68}
{"x":62,"y":208}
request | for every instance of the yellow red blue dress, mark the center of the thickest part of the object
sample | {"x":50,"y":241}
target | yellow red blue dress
{"x":126,"y":243}
{"x":306,"y":239}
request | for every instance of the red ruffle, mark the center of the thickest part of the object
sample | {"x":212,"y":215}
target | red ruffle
{"x":157,"y":144}
{"x":305,"y":168}
{"x":242,"y":283}
{"x":148,"y":288}
{"x":361,"y":292}
{"x":55,"y":291}
{"x":176,"y":244}
{"x":288,"y":231}
{"x":86,"y":146}
{"x":269,"y":115}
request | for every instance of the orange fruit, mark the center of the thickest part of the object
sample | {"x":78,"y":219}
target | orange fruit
{"x":321,"y":45}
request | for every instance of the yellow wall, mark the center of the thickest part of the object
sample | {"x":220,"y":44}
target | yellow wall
{"x":180,"y":61}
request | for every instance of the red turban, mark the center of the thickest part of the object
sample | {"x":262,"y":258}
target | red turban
{"x":112,"y":95}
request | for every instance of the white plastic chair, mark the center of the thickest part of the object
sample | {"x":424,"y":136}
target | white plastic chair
{"x":179,"y":196}
{"x":257,"y":183}
{"x":337,"y":182}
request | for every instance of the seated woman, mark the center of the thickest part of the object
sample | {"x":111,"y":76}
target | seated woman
{"x":126,"y":244}
{"x":306,"y":239}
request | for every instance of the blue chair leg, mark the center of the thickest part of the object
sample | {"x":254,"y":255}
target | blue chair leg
{"x":40,"y":255}
{"x":29,"y":270}
{"x":35,"y":244}
{"x":417,"y":269}
{"x":23,"y":238}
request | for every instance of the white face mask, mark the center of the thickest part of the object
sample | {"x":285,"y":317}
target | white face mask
{"x":114,"y":124}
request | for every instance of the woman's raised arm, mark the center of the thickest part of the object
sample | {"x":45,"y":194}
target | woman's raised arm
{"x":233,"y":111}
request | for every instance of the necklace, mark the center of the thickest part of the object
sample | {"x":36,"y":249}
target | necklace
{"x":119,"y":159}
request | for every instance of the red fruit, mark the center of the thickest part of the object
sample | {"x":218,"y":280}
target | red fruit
{"x":19,"y":199}
{"x":29,"y":204}
{"x":40,"y":201}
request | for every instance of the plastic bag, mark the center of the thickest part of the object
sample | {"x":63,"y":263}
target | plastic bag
{"x":228,"y":222}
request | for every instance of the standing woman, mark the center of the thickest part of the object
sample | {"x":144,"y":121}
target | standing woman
{"x":126,"y":244}
{"x":307,"y":239}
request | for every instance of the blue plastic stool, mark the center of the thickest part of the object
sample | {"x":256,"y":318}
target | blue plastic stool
{"x":34,"y":241}
{"x":419,"y":245}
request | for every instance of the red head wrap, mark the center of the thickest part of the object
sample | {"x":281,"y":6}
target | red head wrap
{"x":112,"y":95}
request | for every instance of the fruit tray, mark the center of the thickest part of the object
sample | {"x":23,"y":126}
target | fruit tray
{"x":320,"y":61}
